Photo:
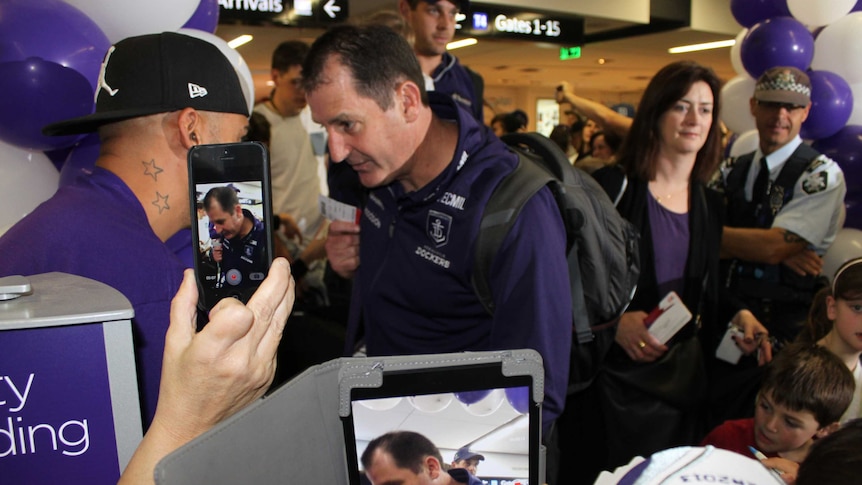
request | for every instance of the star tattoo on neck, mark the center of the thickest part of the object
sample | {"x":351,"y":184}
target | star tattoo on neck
{"x":161,"y":202}
{"x":151,"y":169}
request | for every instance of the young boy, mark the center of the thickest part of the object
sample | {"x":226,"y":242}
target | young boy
{"x":805,"y":391}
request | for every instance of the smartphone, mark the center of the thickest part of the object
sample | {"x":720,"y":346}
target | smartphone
{"x":727,"y":350}
{"x":231,"y":213}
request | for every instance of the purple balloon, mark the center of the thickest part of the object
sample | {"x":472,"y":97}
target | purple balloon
{"x":58,"y":157}
{"x":750,"y":12}
{"x":472,"y":397}
{"x":845,"y":147}
{"x":205,"y":17}
{"x":779,"y":41}
{"x":519,"y":398}
{"x":831,"y":105}
{"x":81,"y":159}
{"x":36,"y":92}
{"x":857,"y":7}
{"x":54,"y":31}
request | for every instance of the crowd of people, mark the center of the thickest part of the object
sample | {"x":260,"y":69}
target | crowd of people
{"x":740,"y":242}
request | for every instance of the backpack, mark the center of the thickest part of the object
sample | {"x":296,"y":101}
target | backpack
{"x":601,"y":246}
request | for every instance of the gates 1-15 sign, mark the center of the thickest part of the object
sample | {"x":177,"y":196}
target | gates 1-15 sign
{"x":501,"y":22}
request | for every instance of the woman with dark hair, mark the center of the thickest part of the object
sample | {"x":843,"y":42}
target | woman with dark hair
{"x":604,"y":145}
{"x":652,"y":392}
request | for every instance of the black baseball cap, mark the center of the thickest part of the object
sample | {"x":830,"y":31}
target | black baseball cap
{"x":159,"y":73}
{"x":466,"y":453}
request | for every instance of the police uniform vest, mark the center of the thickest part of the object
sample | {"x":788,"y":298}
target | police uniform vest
{"x":759,"y":283}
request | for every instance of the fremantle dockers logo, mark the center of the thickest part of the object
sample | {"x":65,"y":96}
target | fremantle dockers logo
{"x":438,"y":225}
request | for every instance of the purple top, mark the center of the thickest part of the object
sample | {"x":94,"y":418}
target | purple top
{"x":417,"y":260}
{"x":670,"y":247}
{"x":96,"y":228}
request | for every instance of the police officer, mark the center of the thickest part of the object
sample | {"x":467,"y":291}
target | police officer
{"x":784,"y":205}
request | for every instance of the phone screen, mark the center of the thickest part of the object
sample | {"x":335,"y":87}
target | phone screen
{"x":229,"y":190}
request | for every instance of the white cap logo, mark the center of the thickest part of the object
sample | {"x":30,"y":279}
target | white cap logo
{"x":103,"y":84}
{"x":196,"y":91}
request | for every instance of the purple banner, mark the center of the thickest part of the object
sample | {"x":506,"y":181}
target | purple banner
{"x":56,"y":423}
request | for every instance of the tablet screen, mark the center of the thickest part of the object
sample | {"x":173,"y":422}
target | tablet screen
{"x":473,"y":407}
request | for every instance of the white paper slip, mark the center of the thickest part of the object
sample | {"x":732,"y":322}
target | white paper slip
{"x":338,"y":211}
{"x":667,"y":318}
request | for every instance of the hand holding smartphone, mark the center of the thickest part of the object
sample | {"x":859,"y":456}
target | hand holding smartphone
{"x":231,"y":213}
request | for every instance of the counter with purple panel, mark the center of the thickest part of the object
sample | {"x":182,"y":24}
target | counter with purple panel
{"x":69,"y":408}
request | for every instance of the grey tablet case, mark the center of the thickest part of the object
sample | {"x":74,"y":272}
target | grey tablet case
{"x":298,"y":434}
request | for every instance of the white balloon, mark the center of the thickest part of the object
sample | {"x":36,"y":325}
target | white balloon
{"x":847,"y":246}
{"x":835,"y":48}
{"x":27,"y":178}
{"x":856,"y":114}
{"x":735,"y":108}
{"x":235,"y":58}
{"x":431,"y":403}
{"x":819,"y":12}
{"x":121,"y":19}
{"x":382,"y":404}
{"x":487,"y":405}
{"x":745,"y":143}
{"x":736,"y":54}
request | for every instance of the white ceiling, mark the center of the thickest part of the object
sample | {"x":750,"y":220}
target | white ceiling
{"x":629,"y":62}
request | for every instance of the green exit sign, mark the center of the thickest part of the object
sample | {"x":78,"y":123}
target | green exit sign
{"x":570,"y":53}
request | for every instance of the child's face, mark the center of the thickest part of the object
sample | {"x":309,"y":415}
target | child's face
{"x":780,"y":430}
{"x":847,"y":318}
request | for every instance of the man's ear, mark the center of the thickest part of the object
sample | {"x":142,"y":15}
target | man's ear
{"x":433,"y":466}
{"x":806,"y":111}
{"x":404,"y":8}
{"x":751,"y":104}
{"x":189,"y":123}
{"x":827,"y":430}
{"x":409,"y":97}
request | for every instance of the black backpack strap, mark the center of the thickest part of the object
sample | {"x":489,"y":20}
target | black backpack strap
{"x":500,"y":214}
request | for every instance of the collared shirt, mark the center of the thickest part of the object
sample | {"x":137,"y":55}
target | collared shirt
{"x":816,"y":210}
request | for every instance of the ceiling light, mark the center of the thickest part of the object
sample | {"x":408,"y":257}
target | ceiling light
{"x":461,"y":43}
{"x":702,"y":47}
{"x":241,"y":40}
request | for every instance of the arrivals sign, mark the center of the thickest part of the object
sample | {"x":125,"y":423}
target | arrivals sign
{"x":301,"y":13}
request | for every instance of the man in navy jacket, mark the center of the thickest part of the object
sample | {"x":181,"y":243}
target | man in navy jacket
{"x":431,"y":168}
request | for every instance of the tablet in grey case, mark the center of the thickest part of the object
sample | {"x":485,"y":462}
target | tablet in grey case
{"x":313,"y":428}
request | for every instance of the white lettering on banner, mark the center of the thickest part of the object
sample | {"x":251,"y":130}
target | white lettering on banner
{"x":274,"y":6}
{"x":438,"y":260}
{"x":71,"y":434}
{"x":17,"y":437}
{"x":22,"y":398}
